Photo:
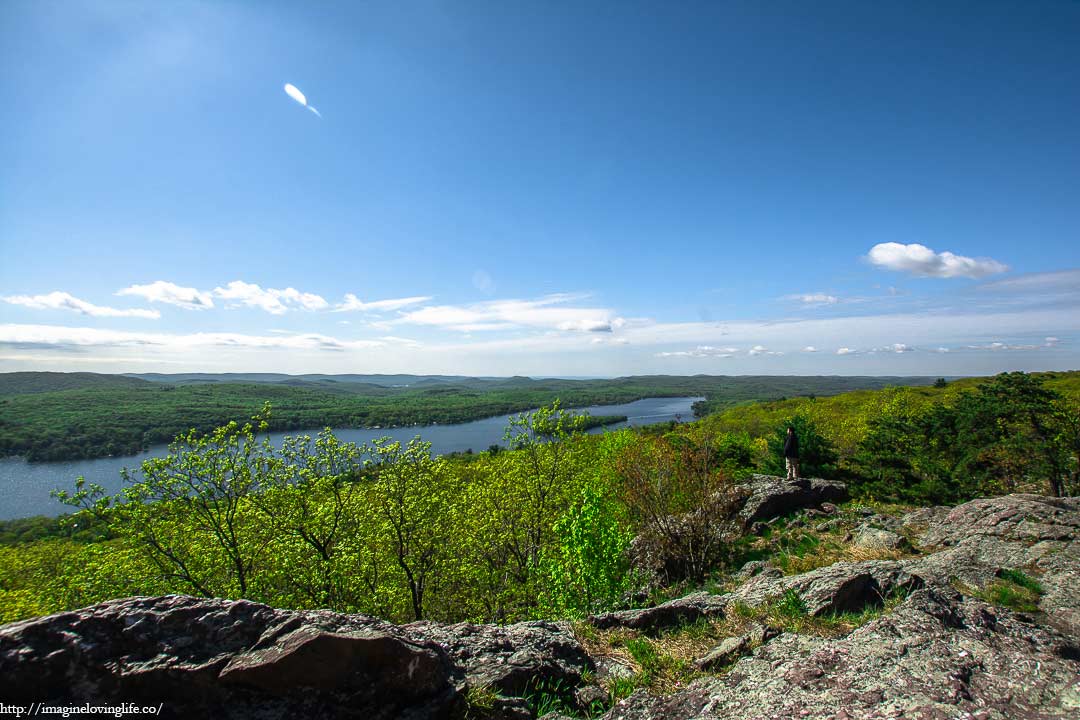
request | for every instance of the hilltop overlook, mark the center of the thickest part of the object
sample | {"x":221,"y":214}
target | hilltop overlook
{"x":655,"y":572}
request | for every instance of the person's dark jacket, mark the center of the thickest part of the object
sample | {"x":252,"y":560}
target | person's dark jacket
{"x":791,"y":446}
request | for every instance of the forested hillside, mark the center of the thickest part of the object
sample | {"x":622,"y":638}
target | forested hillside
{"x":542,"y":529}
{"x":58,"y":416}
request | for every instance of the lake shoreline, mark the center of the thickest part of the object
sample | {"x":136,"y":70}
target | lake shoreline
{"x":27,"y":484}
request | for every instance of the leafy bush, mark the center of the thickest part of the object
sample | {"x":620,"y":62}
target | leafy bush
{"x":683,"y":507}
{"x":589,"y":568}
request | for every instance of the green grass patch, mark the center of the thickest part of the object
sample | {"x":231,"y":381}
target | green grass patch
{"x":1012,"y":589}
{"x":1022,"y":579}
{"x":790,"y":606}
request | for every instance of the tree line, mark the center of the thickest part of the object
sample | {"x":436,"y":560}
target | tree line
{"x":556,"y":524}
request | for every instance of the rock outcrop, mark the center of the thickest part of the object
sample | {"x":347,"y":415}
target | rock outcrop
{"x":771,"y":496}
{"x":238,"y":659}
{"x":940,"y":653}
{"x":684,"y":610}
{"x":940,"y":650}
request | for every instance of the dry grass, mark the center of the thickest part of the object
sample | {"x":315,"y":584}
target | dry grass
{"x":829,"y":553}
{"x":665,"y":663}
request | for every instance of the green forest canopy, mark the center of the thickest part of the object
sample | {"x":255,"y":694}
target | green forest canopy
{"x":540,"y":529}
{"x":66,"y":416}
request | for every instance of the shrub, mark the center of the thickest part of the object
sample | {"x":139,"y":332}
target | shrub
{"x":682,"y":506}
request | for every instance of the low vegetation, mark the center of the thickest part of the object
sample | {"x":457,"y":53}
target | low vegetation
{"x":1013,"y":589}
{"x":542,"y":527}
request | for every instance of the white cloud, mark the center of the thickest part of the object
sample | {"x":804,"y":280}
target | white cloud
{"x":762,"y":350}
{"x":66,"y":301}
{"x":810,"y":349}
{"x":273,"y":301}
{"x":549,"y":313}
{"x":895,"y":348}
{"x":921,"y":261}
{"x":169,"y":293}
{"x":814,"y":299}
{"x":702,"y":351}
{"x":353,"y":303}
{"x":294,"y":92}
{"x":846,"y":351}
{"x":1051,"y":341}
{"x":76,"y":337}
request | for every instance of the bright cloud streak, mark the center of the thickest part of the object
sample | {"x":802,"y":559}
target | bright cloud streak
{"x":921,"y":261}
{"x":83,"y":337}
{"x":353,"y":303}
{"x":702,"y":351}
{"x":169,"y":293}
{"x":549,"y":312}
{"x":294,"y":92}
{"x":66,"y":301}
{"x":273,"y":301}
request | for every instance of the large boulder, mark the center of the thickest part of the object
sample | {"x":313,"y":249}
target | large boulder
{"x":771,"y":496}
{"x":239,"y":659}
{"x":222,"y":658}
{"x":838,"y":588}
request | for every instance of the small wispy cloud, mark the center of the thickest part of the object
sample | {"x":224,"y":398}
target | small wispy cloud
{"x":1037,"y":283}
{"x":169,"y":293}
{"x":273,"y":301}
{"x":921,"y":261}
{"x":58,"y":300}
{"x":701,"y":351}
{"x":294,"y":92}
{"x":814,"y":299}
{"x":355,"y":304}
{"x":846,"y":351}
{"x":809,"y":349}
{"x":998,"y":346}
{"x":895,"y":348}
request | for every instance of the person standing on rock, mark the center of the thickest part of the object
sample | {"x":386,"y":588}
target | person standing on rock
{"x":791,"y":454}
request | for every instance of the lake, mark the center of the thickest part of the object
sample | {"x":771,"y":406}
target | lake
{"x":26,"y":485}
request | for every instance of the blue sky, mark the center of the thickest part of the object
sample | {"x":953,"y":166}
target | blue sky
{"x":540,"y":188}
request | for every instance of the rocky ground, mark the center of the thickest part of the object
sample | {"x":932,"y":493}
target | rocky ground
{"x":968,"y":612}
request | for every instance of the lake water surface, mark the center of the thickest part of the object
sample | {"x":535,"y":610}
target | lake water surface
{"x":24,"y":487}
